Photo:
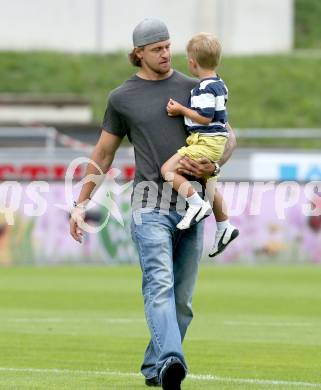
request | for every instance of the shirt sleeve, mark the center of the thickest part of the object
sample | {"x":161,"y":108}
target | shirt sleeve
{"x":113,"y":121}
{"x":204,"y":104}
{"x":220,"y":114}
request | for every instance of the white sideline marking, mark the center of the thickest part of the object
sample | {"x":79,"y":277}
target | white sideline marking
{"x":142,"y":320}
{"x":255,"y":323}
{"x":207,"y":378}
{"x":269,"y":382}
{"x":108,"y":320}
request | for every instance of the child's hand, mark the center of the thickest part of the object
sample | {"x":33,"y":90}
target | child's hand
{"x":174,"y":108}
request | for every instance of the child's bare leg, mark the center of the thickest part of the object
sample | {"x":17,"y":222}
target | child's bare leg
{"x":210,"y":188}
{"x":179,"y":182}
{"x":219,"y":207}
{"x":216,"y":199}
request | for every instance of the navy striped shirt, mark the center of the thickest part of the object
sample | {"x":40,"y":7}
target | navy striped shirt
{"x":209,"y":99}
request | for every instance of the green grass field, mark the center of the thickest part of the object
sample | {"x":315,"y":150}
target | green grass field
{"x":307,"y":23}
{"x":83,"y":328}
{"x":265,"y":91}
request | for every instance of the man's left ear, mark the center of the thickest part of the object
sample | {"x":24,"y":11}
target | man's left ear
{"x":139,"y":53}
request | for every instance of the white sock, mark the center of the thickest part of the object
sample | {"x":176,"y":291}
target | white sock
{"x":222,"y":225}
{"x":194,"y":200}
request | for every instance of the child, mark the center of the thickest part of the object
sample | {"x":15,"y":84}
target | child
{"x":206,"y":121}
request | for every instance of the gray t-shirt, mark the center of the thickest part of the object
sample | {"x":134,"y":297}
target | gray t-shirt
{"x":138,"y":109}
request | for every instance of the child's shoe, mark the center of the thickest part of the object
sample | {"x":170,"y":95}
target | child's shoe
{"x":194,"y":213}
{"x":222,"y":239}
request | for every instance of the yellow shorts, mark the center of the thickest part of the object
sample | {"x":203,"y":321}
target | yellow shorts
{"x":200,"y":145}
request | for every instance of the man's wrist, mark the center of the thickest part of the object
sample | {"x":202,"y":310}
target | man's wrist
{"x":81,"y":205}
{"x":217,"y":168}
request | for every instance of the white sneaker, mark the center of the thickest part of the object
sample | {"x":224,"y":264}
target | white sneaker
{"x":194,"y":214}
{"x":222,"y":239}
{"x":205,"y":211}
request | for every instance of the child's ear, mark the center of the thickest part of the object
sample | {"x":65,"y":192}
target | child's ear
{"x":192,"y":63}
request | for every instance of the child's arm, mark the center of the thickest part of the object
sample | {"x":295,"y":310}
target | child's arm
{"x":174,"y":108}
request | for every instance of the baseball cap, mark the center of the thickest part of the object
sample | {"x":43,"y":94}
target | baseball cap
{"x":150,"y":30}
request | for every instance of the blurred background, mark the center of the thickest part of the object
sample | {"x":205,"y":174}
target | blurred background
{"x":60,"y":59}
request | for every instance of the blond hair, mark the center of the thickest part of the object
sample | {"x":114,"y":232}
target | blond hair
{"x":205,"y":49}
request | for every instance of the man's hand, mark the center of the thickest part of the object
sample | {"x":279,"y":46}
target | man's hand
{"x":174,"y":108}
{"x":76,"y":221}
{"x":200,"y":168}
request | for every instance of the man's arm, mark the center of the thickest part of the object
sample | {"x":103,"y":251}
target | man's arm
{"x":102,"y":155}
{"x":204,"y":166}
{"x":229,"y":146}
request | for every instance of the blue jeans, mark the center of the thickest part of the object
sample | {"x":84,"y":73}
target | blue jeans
{"x":169,"y":261}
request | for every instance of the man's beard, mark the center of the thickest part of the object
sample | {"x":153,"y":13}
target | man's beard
{"x":159,"y":70}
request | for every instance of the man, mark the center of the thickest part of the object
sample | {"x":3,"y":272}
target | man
{"x":168,"y":257}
